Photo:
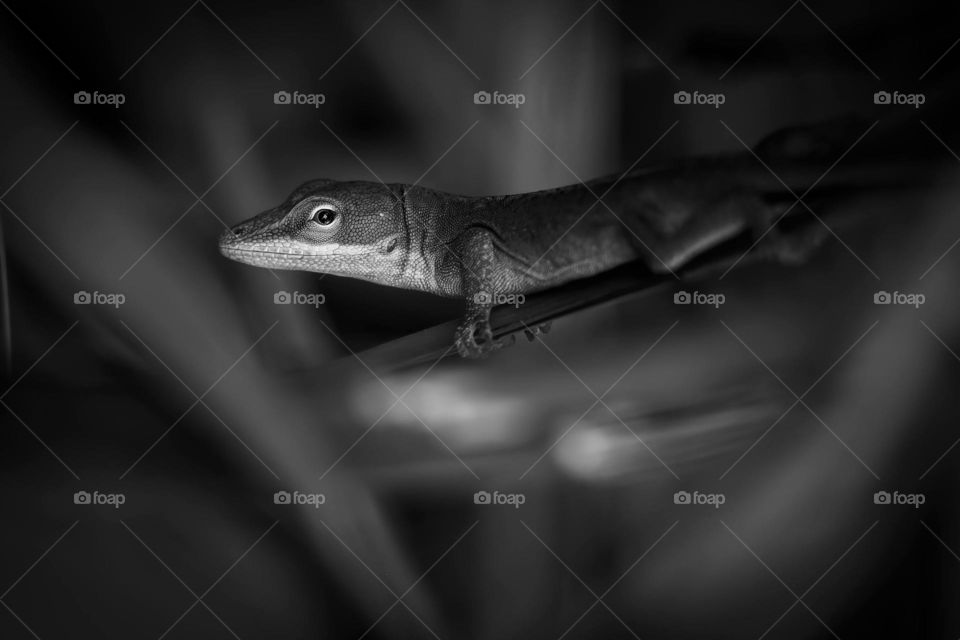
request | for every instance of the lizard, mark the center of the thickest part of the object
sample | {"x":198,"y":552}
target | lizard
{"x":484,"y":248}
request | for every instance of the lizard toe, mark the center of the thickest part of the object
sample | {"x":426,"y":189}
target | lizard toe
{"x":472,"y":341}
{"x":475,"y":340}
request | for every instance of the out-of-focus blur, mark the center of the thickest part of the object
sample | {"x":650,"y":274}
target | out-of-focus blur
{"x":184,"y":456}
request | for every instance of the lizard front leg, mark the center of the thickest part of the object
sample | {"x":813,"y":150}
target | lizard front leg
{"x":478,"y":276}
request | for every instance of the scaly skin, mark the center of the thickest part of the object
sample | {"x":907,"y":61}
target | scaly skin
{"x":482,"y":248}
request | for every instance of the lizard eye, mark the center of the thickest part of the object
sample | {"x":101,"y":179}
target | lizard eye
{"x":324,"y":216}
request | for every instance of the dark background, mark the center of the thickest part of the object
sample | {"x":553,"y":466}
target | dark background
{"x":198,"y":398}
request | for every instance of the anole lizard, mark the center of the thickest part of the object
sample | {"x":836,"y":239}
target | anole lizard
{"x":482,"y":248}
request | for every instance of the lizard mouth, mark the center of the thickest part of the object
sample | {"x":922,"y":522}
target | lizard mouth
{"x":231,"y":252}
{"x":260,"y":258}
{"x":230,"y":249}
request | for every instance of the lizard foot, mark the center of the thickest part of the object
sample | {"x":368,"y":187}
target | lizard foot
{"x":533,"y":333}
{"x":474,"y":339}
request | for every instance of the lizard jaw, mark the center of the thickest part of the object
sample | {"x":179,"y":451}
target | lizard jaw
{"x":322,"y":258}
{"x":266,"y":259}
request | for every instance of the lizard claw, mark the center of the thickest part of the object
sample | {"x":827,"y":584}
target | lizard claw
{"x":475,"y":340}
{"x":537,"y":331}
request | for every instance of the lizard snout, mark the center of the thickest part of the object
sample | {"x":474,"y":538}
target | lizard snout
{"x":233,"y":238}
{"x":232,"y":235}
{"x":244,"y":228}
{"x":227,"y":242}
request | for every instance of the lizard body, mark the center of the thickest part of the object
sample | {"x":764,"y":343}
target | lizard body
{"x":482,"y":248}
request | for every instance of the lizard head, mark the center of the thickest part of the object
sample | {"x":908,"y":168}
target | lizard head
{"x":354,"y":229}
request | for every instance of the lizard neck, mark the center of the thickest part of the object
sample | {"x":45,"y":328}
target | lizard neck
{"x":433,"y":220}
